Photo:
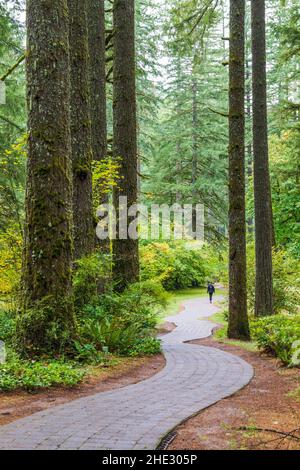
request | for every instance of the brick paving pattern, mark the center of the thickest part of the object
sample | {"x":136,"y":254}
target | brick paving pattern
{"x":140,"y":415}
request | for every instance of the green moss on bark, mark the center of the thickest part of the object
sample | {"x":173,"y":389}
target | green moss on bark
{"x":84,"y":234}
{"x":47,"y":317}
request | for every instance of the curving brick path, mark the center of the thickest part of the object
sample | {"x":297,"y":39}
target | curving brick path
{"x":139,"y":415}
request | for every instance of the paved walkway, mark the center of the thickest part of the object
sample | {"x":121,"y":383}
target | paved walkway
{"x":139,"y":415}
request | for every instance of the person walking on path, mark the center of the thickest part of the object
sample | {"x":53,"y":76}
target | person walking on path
{"x":211,"y":291}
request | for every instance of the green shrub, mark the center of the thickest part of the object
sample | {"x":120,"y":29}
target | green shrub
{"x":7,"y":326}
{"x":286,"y":281}
{"x":87,"y":353}
{"x":90,"y":277}
{"x":277,"y":335}
{"x":31,"y":375}
{"x":122,"y":321}
{"x":145,"y":347}
{"x":175,"y":265}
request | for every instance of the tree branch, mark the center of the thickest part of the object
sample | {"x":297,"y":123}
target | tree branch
{"x":282,"y":433}
{"x":11,"y":69}
{"x":12,"y":123}
{"x":218,"y":112}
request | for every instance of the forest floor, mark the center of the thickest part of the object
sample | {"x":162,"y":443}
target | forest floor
{"x":18,"y":404}
{"x":270,"y":401}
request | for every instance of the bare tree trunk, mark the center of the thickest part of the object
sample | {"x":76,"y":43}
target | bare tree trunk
{"x":238,"y":320}
{"x":262,"y":187}
{"x":125,"y":251}
{"x":84,"y":234}
{"x":47,"y":323}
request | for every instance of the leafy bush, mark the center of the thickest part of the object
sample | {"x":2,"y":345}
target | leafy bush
{"x":12,"y":184}
{"x":215,"y":263}
{"x":145,"y":347}
{"x":90,"y":277}
{"x":87,"y":353}
{"x":123,"y":322}
{"x":277,"y":335}
{"x":7,"y":326}
{"x":286,"y":281}
{"x":17,"y":374}
{"x":284,"y":168}
{"x":175,"y":265}
{"x":10,"y":262}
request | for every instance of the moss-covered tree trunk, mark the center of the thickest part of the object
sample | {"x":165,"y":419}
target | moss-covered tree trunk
{"x":262,"y":187}
{"x":125,"y":251}
{"x":97,"y":77}
{"x":249,"y":153}
{"x":194,"y":151}
{"x":178,"y":196}
{"x":238,"y":320}
{"x":47,"y":321}
{"x":97,"y":83}
{"x":84,"y":233}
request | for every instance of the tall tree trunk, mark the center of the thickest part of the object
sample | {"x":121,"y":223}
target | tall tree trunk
{"x":96,"y":32}
{"x":178,"y":195}
{"x":84,"y":233}
{"x":262,"y":189}
{"x":97,"y":82}
{"x":125,"y":251}
{"x":238,"y":320}
{"x":249,"y":152}
{"x":194,"y":151}
{"x":48,"y":321}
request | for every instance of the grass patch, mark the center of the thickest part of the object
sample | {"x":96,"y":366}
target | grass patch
{"x":219,"y":318}
{"x":221,"y":334}
{"x":295,"y":394}
{"x":177,"y":298}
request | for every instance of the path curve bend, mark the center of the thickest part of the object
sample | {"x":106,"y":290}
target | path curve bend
{"x":139,"y":415}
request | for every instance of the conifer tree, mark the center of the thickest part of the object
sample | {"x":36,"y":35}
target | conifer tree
{"x":262,"y":186}
{"x":125,"y":251}
{"x":238,"y":326}
{"x":47,"y":321}
{"x":84,"y":234}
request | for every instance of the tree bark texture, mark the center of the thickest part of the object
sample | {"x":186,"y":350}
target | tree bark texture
{"x":194,"y":151}
{"x":262,"y":188}
{"x":125,"y":251}
{"x":97,"y":77}
{"x":84,"y":233}
{"x":97,"y":83}
{"x":47,"y":320}
{"x":238,"y":320}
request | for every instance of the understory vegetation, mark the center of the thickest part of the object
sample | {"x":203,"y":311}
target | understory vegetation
{"x":108,"y":323}
{"x":279,"y":335}
{"x":111,"y":324}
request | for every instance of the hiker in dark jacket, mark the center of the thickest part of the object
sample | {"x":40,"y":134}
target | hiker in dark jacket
{"x":211,"y":291}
